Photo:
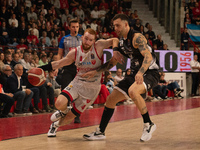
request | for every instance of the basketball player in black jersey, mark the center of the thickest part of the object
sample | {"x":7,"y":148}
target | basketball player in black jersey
{"x":144,"y":76}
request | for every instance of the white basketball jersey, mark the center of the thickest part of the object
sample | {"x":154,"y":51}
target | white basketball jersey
{"x":87,"y":62}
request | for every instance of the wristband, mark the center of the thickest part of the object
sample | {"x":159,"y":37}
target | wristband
{"x":116,"y":49}
{"x":47,"y":67}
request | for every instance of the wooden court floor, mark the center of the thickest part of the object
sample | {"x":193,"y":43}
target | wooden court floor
{"x":176,"y":130}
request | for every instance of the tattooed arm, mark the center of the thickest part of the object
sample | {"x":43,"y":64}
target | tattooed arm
{"x":140,"y":42}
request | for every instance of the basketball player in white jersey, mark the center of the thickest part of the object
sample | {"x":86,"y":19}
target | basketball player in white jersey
{"x":81,"y":91}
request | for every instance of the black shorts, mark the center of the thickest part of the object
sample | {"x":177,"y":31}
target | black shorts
{"x":67,"y":74}
{"x":151,"y":79}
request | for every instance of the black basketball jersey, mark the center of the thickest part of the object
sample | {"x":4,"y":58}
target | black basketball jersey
{"x":126,"y":48}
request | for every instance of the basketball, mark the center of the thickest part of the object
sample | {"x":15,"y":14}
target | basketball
{"x":36,"y":76}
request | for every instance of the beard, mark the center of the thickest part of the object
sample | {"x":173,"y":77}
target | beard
{"x":86,"y":48}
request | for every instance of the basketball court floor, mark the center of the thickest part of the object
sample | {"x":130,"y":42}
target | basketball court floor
{"x":178,"y":128}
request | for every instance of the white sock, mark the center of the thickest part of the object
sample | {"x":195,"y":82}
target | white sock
{"x":56,"y":124}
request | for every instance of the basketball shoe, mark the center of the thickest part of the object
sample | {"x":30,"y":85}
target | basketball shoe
{"x":52,"y":130}
{"x":57,"y":115}
{"x":147,"y":131}
{"x":97,"y":135}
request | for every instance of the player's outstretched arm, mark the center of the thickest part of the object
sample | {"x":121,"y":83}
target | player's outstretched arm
{"x":140,"y":42}
{"x":68,"y":60}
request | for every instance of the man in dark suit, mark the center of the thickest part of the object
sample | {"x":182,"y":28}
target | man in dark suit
{"x":23,"y":97}
{"x":5,"y":98}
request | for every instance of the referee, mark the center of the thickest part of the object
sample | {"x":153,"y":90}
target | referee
{"x":67,"y":43}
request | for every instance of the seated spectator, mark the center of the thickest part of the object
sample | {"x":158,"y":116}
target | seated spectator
{"x":35,"y":61}
{"x":173,"y":86}
{"x":13,"y":20}
{"x":42,"y":45}
{"x":53,"y":47}
{"x":13,"y":32}
{"x":4,"y":34}
{"x":47,"y":39}
{"x":159,"y":42}
{"x":53,"y":38}
{"x":85,"y":24}
{"x":32,"y":14}
{"x":34,"y":29}
{"x":196,"y":11}
{"x":120,"y":10}
{"x":147,"y":25}
{"x":33,"y":46}
{"x":155,"y":47}
{"x":197,"y":21}
{"x":187,"y":20}
{"x":118,"y":76}
{"x":31,"y":37}
{"x":165,"y":47}
{"x":160,"y":91}
{"x":102,"y":14}
{"x":109,"y":81}
{"x":23,"y":31}
{"x":22,"y":13}
{"x":128,"y":72}
{"x":73,"y":5}
{"x":4,"y":15}
{"x":80,"y":13}
{"x":15,"y":59}
{"x":151,"y":33}
{"x":105,"y":33}
{"x":65,"y":16}
{"x":132,"y":20}
{"x":13,"y":43}
{"x":26,"y":62}
{"x":42,"y":10}
{"x":148,"y":40}
{"x":52,"y":82}
{"x":136,"y":14}
{"x":137,"y":25}
{"x":184,"y":39}
{"x":8,"y":101}
{"x":142,"y":30}
{"x":80,"y":31}
{"x":94,"y":25}
{"x":1,"y":60}
{"x":103,"y":4}
{"x":9,"y":60}
{"x":50,"y":56}
{"x":14,"y":86}
{"x":22,"y":46}
{"x":95,"y":13}
{"x":43,"y":60}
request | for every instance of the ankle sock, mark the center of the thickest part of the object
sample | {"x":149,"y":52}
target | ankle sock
{"x":146,"y":118}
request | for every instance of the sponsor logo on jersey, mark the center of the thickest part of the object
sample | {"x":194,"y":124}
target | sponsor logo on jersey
{"x":92,"y":56}
{"x":69,"y":87}
{"x":93,"y":62}
{"x":84,"y":63}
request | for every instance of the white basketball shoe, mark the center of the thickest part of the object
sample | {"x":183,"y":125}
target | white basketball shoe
{"x":57,"y":115}
{"x":52,"y":130}
{"x":147,"y":131}
{"x":97,"y":135}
